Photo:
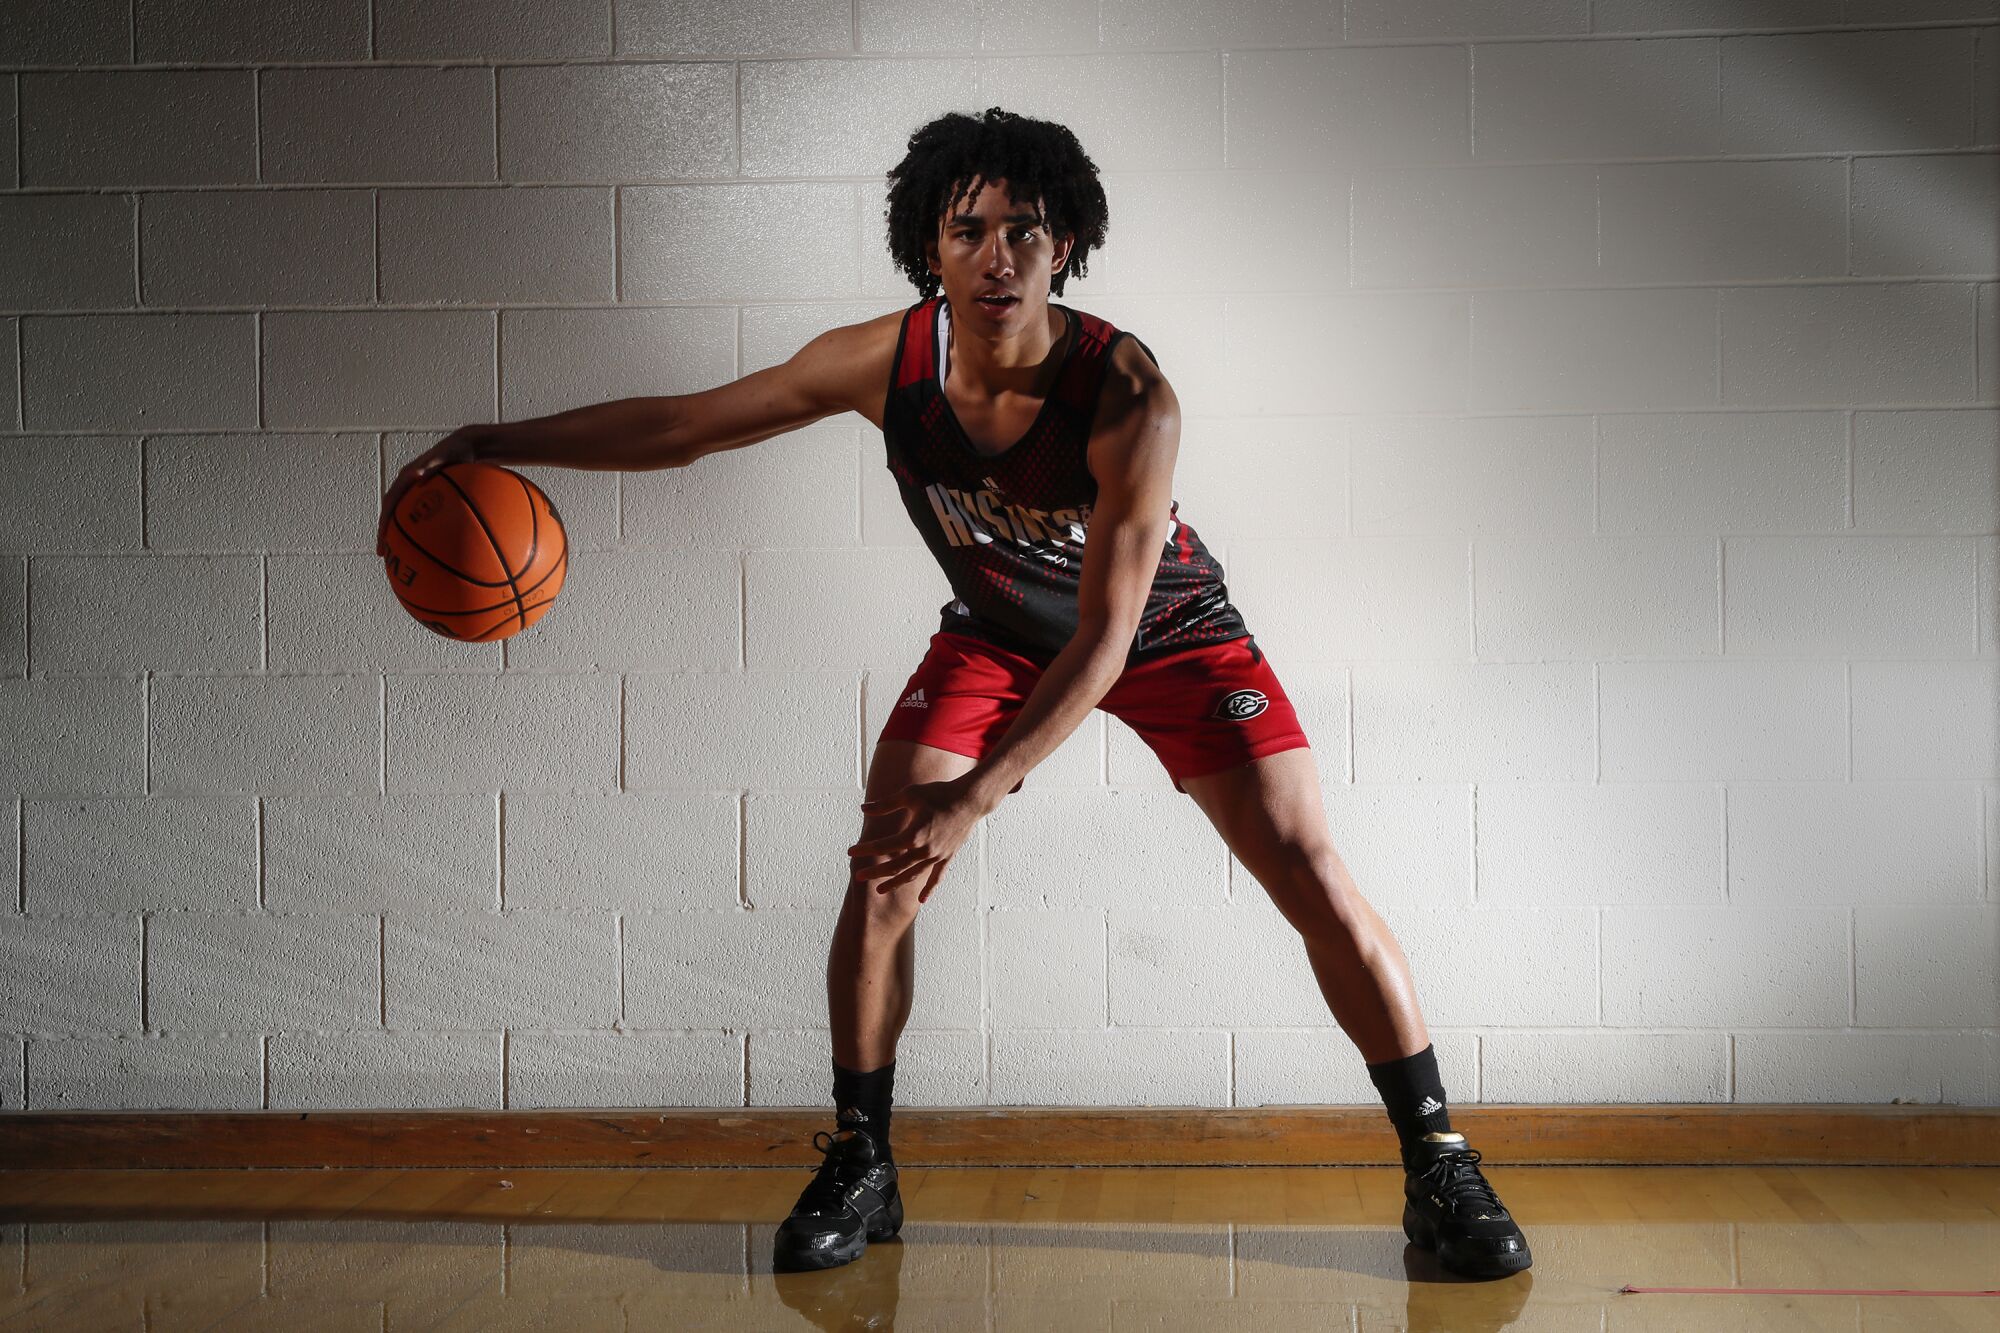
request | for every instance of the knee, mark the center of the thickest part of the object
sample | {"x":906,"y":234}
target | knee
{"x":1319,"y":897}
{"x":886,"y":902}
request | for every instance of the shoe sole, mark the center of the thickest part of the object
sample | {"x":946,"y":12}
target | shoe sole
{"x":806,"y":1261}
{"x":1505,"y":1264}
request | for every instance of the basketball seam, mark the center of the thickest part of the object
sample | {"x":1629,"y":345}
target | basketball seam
{"x":534,"y":526}
{"x":520,"y":612}
{"x":447,"y":567}
{"x":554,"y":569}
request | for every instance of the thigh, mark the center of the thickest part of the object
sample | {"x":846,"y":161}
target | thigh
{"x":1272,"y":816}
{"x":895,"y":765}
{"x":1207,"y":710}
{"x":955,"y":705}
{"x":961,"y":698}
{"x":1270,"y":812}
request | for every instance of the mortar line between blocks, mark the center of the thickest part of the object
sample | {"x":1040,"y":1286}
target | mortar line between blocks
{"x":1853,"y":972}
{"x":1847,"y":218}
{"x":500,"y":848}
{"x":1847,"y":501}
{"x":1722,"y":793}
{"x":256,"y":117}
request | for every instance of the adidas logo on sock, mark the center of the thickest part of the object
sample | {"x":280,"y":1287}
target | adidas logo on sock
{"x":1430,"y":1106}
{"x":916,"y":700}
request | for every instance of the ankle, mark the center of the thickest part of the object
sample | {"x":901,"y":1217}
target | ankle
{"x":864,"y":1100}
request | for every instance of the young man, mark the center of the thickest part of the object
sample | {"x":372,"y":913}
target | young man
{"x":1015,"y":429}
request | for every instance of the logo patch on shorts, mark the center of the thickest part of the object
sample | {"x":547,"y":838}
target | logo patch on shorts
{"x":1240,"y":705}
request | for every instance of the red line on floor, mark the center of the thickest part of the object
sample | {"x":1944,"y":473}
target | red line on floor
{"x":1789,"y":1291}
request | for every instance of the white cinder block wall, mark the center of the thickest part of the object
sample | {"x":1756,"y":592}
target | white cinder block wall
{"x":1594,"y":406}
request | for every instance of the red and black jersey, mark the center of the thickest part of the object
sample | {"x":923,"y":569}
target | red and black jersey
{"x":1009,"y":528}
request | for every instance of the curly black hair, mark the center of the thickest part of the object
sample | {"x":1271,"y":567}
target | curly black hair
{"x":951,"y":156}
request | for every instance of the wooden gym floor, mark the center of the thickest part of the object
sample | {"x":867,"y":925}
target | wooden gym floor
{"x":1052,"y":1248}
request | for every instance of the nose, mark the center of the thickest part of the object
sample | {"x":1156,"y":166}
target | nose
{"x":1000,"y":260}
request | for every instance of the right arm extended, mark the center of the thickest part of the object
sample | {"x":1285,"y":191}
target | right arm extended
{"x":648,"y":433}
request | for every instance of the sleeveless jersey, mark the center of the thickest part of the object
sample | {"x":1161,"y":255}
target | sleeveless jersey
{"x":1009,"y":529}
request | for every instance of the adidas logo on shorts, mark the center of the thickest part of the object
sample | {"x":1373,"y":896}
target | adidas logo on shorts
{"x":916,"y":700}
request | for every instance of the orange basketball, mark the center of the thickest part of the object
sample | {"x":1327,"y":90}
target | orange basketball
{"x":476,"y":552}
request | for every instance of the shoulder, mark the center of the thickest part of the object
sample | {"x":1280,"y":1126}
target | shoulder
{"x":871,"y":338}
{"x":857,"y":360}
{"x":1133,"y":385}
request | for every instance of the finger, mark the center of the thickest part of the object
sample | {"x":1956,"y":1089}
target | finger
{"x":867,"y":863}
{"x":880,"y":843}
{"x":887,"y":861}
{"x":872,"y":862}
{"x":937,"y":873}
{"x":895,"y":868}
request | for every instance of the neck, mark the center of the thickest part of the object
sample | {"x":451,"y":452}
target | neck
{"x":1018,"y":361}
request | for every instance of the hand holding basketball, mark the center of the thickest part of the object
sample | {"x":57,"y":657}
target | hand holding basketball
{"x":461,"y":446}
{"x":474,"y":551}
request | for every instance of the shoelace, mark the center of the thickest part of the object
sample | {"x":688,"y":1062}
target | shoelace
{"x":1455,"y":1175}
{"x":836,"y":1172}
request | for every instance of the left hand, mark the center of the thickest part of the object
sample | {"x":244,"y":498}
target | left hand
{"x":939,"y":818}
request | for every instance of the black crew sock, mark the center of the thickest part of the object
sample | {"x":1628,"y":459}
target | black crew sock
{"x":862,"y":1100}
{"x":1414,"y":1096}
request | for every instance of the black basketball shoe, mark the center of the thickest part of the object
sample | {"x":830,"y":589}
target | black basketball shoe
{"x":1449,"y":1207}
{"x":852,"y":1200}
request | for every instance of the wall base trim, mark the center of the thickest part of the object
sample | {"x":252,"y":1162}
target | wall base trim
{"x":1640,"y":1135}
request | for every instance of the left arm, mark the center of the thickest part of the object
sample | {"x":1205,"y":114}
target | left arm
{"x":1133,"y":444}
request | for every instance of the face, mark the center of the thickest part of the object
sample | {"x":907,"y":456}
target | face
{"x":989,"y":243}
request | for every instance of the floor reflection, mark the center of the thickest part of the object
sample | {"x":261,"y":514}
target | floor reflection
{"x":578,"y":1251}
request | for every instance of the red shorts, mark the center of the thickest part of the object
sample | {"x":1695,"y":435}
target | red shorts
{"x":1211,"y":708}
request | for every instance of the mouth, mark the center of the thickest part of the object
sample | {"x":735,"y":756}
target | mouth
{"x":996,"y":304}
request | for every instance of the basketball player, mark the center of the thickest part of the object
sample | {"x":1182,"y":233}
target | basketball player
{"x":1034,"y":446}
